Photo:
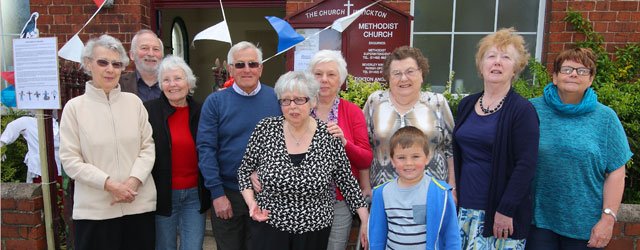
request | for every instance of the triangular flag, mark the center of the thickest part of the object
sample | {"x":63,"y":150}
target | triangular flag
{"x":9,"y":76}
{"x":219,"y":32}
{"x":342,"y":23}
{"x":99,"y":2}
{"x":72,"y":49}
{"x":287,"y":37}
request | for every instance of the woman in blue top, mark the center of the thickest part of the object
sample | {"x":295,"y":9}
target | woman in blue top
{"x":495,"y":149}
{"x":583,"y":148}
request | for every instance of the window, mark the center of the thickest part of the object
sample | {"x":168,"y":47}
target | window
{"x":179,"y":40}
{"x":448,"y":32}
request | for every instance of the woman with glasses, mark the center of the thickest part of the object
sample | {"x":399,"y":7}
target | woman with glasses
{"x":404,"y":104}
{"x":182,"y":197}
{"x":495,"y":149}
{"x":345,"y":120}
{"x":106,"y":146}
{"x":580,"y":172}
{"x":296,"y":160}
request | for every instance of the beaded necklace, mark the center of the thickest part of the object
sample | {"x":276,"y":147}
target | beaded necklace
{"x":491,"y":111}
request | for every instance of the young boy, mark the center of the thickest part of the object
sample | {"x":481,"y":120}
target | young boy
{"x":413,"y":211}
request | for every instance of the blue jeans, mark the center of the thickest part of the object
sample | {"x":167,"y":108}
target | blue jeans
{"x":186,"y":217}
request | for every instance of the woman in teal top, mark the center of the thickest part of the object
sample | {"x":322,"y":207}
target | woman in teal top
{"x":580,"y":173}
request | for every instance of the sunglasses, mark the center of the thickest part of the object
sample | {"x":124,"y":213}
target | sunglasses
{"x":241,"y":65}
{"x":104,"y":63}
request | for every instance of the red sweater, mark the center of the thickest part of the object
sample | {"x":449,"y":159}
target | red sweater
{"x":354,"y":127}
{"x":184,"y":159}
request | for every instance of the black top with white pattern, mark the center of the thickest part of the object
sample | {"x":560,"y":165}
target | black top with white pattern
{"x":300,"y":199}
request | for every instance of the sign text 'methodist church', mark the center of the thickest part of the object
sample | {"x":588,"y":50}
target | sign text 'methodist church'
{"x":365,"y":43}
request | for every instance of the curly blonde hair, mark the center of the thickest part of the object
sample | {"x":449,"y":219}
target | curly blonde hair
{"x":501,"y":39}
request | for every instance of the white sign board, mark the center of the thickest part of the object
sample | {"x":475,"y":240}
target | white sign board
{"x":305,"y":50}
{"x":36,"y":73}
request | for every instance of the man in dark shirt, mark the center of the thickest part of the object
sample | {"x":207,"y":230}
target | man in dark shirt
{"x":146,"y":52}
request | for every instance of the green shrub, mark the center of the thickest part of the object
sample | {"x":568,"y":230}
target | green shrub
{"x":358,"y":91}
{"x":530,"y":88}
{"x":13,"y":168}
{"x":452,"y":99}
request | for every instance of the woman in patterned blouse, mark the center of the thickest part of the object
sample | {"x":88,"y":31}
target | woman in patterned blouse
{"x":403,"y":104}
{"x":297,"y":160}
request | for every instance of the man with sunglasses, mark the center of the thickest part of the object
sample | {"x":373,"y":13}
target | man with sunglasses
{"x":146,"y":52}
{"x":227,"y":120}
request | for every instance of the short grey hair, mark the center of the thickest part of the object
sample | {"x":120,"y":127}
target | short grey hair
{"x":173,"y":62}
{"x":105,"y":41}
{"x":134,"y":40}
{"x":300,"y":81}
{"x":325,"y":56}
{"x":242,"y":46}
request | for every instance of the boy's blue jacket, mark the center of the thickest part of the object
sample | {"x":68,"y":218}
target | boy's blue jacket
{"x":441,"y":218}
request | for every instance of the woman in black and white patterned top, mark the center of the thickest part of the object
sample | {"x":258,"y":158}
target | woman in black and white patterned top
{"x":297,"y":160}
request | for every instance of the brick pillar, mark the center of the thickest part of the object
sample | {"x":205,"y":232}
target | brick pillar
{"x":22,"y":217}
{"x":63,"y":19}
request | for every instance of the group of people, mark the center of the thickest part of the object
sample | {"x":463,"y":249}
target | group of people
{"x":287,"y":167}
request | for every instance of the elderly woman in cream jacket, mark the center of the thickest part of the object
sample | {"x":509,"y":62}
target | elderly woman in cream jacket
{"x":107,"y":148}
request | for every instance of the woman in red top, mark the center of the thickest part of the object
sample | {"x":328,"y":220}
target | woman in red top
{"x":182,"y":198}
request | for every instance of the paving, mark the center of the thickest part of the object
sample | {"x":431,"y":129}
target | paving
{"x":209,"y":241}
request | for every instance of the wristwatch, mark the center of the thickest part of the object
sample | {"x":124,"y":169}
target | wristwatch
{"x":608,"y":211}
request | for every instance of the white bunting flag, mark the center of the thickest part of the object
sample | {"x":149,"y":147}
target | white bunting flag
{"x":219,"y":32}
{"x":72,"y":49}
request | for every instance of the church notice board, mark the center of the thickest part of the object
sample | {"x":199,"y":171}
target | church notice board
{"x":365,"y":44}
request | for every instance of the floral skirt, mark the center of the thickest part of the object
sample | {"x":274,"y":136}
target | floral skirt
{"x":471,"y":223}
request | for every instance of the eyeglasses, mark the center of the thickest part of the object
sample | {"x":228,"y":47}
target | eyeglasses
{"x":297,"y":101}
{"x":397,"y":74}
{"x":104,"y":63}
{"x":241,"y":65}
{"x":567,"y":70}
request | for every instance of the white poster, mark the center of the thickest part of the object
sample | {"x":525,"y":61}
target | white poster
{"x":36,"y":73}
{"x":306,"y":49}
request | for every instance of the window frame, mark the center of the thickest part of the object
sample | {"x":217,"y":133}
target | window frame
{"x":539,"y":33}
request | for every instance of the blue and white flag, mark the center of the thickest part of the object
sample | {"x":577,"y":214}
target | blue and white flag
{"x":287,"y":36}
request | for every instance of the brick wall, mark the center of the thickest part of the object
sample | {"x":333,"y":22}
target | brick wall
{"x":64,"y":18}
{"x":294,"y":6}
{"x":626,"y":236}
{"x":617,"y":21}
{"x":22,"y":217}
{"x":626,"y":232}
